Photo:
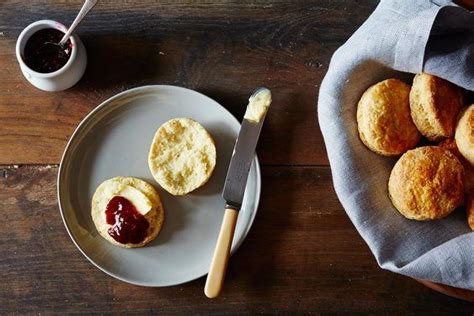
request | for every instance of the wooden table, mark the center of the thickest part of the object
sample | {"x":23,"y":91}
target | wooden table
{"x":302,"y":254}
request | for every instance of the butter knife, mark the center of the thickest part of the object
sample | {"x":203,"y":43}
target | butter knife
{"x":234,"y":187}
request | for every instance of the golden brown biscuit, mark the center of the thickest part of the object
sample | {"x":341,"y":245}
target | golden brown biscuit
{"x":383,"y":118}
{"x":470,"y":210}
{"x":434,"y":105}
{"x":127,"y":186}
{"x":450,"y":144}
{"x":465,"y":134}
{"x":427,"y":183}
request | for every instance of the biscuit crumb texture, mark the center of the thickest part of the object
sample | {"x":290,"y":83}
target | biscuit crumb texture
{"x":182,"y":156}
{"x":427,"y":183}
{"x":435,"y":104}
{"x":465,"y":134}
{"x":470,"y":210}
{"x":112,"y":187}
{"x":383,"y":118}
{"x":450,"y":144}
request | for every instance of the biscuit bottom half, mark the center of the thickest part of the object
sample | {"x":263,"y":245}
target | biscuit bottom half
{"x":127,"y":212}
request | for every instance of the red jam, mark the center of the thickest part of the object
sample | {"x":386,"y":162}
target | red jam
{"x":42,"y":54}
{"x":128,"y":225}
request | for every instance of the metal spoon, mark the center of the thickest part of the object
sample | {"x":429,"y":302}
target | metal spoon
{"x":88,"y":5}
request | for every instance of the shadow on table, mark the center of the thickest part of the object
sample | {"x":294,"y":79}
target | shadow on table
{"x":120,"y":62}
{"x":258,"y":263}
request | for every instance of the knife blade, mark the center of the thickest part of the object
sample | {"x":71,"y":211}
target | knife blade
{"x":240,"y":163}
{"x":243,"y":155}
{"x":234,"y":186}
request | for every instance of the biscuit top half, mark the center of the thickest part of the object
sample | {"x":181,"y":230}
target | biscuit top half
{"x":182,"y":156}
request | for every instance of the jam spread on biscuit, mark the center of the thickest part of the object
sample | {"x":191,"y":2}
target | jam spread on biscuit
{"x":128,"y":225}
{"x":43,"y":54}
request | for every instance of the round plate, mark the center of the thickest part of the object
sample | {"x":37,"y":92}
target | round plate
{"x":114,"y":140}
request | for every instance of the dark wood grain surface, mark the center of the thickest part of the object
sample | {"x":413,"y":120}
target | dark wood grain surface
{"x":224,"y":50}
{"x":302,"y":255}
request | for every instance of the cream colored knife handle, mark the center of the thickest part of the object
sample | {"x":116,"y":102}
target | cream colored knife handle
{"x":215,"y":278}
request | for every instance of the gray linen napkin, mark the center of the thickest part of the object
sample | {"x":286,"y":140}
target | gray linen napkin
{"x":400,"y":36}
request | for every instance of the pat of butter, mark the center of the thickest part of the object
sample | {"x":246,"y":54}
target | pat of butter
{"x":258,"y":106}
{"x":141,"y":202}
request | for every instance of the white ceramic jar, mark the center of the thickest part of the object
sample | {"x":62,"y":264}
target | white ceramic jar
{"x":61,"y":79}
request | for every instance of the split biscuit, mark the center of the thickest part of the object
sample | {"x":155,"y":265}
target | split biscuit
{"x":182,"y":156}
{"x":114,"y":187}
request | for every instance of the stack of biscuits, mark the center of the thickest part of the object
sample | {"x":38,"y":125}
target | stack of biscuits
{"x":429,"y":181}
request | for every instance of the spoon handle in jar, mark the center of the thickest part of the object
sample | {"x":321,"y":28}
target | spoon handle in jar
{"x":86,"y":7}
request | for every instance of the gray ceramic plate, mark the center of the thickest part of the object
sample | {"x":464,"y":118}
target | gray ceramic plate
{"x":113,"y":140}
